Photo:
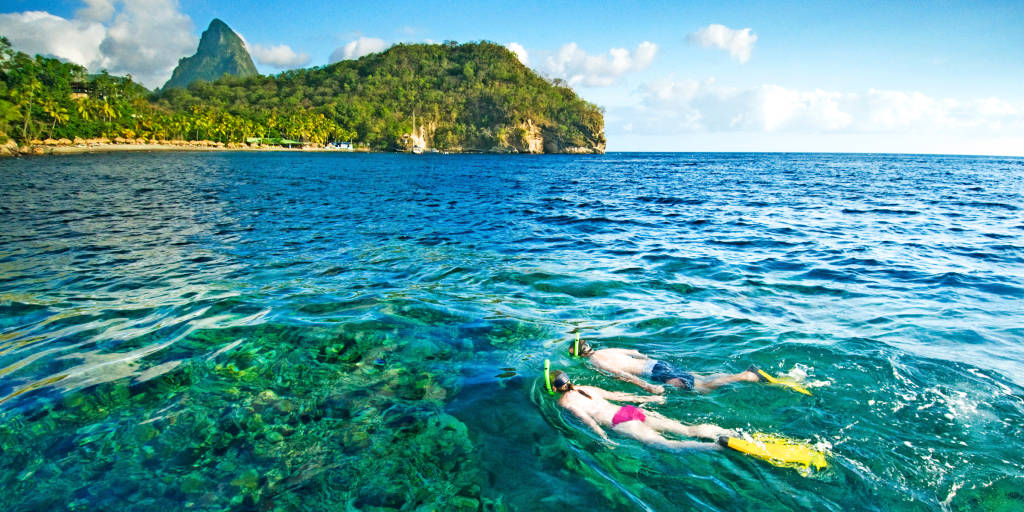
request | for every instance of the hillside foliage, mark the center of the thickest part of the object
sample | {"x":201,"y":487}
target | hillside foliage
{"x":469,"y":97}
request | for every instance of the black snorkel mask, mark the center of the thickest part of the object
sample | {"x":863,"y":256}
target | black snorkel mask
{"x":579,"y":346}
{"x":559,"y":381}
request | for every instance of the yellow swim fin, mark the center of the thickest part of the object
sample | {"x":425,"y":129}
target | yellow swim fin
{"x":778,"y":451}
{"x":780,"y":381}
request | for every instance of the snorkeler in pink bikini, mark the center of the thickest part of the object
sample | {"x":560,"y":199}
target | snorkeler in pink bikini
{"x":591,"y":404}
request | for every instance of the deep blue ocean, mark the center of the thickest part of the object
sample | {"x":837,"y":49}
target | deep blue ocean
{"x":297,"y":331}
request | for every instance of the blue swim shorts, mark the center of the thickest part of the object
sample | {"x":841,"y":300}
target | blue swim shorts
{"x":664,"y":372}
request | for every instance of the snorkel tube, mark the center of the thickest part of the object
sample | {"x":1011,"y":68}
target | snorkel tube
{"x":547,"y":376}
{"x":576,"y":346}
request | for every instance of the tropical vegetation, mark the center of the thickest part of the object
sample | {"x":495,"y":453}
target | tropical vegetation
{"x":474,"y":96}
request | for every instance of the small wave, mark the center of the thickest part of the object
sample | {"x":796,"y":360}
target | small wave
{"x":881,"y":211}
{"x":804,"y":289}
{"x":334,"y":271}
{"x":337,"y":307}
{"x":983,"y":204}
{"x":671,"y":200}
{"x":678,"y":288}
{"x":571,"y":220}
{"x":826,"y":274}
{"x":568,"y":285}
{"x":859,"y":262}
{"x":960,"y":280}
{"x":757,"y":242}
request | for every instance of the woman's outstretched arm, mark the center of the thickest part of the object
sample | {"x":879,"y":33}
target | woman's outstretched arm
{"x":623,"y":397}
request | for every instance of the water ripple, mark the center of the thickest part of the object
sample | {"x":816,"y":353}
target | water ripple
{"x":313,"y":331}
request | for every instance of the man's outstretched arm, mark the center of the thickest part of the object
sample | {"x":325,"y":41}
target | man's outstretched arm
{"x":633,"y":379}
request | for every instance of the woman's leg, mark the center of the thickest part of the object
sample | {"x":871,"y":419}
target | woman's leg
{"x":642,"y":432}
{"x":664,"y":424}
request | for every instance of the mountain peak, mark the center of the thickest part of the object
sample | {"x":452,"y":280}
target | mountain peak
{"x":221,"y":52}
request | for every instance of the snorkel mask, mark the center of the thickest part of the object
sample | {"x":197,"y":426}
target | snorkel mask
{"x":578,"y":347}
{"x":561,"y":379}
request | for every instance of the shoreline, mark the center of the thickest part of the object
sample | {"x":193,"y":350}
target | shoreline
{"x":65,"y":147}
{"x":80,"y":149}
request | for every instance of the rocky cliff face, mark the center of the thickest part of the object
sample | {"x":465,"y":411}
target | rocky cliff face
{"x":221,"y":52}
{"x":532,"y":139}
{"x":527,"y":137}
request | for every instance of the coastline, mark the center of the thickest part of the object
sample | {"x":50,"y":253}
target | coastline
{"x":43,"y":149}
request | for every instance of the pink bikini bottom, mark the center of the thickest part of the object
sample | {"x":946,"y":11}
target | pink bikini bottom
{"x":628,"y":413}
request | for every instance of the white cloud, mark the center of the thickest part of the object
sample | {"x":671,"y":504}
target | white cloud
{"x":37,"y":32}
{"x":739,"y":43}
{"x":146,"y":39}
{"x":280,"y":56}
{"x":142,"y":37}
{"x":578,"y":68}
{"x":520,"y":52}
{"x":96,"y":10}
{"x":358,"y":48}
{"x":691,"y":106}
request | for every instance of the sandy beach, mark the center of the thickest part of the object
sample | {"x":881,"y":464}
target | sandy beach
{"x":43,"y":148}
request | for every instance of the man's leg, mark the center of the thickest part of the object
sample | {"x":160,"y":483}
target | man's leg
{"x":714,"y":382}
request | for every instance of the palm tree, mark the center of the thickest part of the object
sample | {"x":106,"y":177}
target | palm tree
{"x":107,"y":111}
{"x":56,"y":111}
{"x":84,"y":108}
{"x":28,"y":92}
{"x":8,"y":113}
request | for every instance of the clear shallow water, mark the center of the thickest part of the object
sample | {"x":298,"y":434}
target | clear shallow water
{"x":307,"y":331}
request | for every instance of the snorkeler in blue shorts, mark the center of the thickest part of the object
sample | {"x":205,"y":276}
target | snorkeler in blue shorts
{"x":631,"y":365}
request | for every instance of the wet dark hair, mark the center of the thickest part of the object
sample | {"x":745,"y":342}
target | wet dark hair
{"x":585,"y":348}
{"x":560,"y":382}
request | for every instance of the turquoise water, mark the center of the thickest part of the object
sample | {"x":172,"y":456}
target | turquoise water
{"x":364,"y":332}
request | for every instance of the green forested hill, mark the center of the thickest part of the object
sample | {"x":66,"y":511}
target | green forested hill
{"x":474,"y":96}
{"x":469,"y":97}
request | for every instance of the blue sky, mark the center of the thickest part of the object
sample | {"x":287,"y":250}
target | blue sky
{"x":939,"y":77}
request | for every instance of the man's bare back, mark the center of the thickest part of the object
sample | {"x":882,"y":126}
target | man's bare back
{"x":629,"y":361}
{"x":627,"y":365}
